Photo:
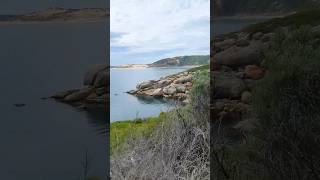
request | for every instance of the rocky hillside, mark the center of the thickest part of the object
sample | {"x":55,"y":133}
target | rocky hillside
{"x":261,"y":7}
{"x":238,"y":65}
{"x":58,"y":14}
{"x":182,"y":61}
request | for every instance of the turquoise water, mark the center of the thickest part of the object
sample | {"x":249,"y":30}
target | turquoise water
{"x":125,"y":106}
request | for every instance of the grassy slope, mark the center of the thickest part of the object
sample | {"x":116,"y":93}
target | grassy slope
{"x":122,"y":130}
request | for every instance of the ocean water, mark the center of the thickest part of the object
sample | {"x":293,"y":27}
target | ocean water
{"x":124,"y":106}
{"x":223,"y":26}
{"x":46,"y":139}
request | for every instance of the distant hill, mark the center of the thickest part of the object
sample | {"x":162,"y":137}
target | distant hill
{"x":260,"y":7}
{"x":58,"y":14}
{"x":182,"y":61}
{"x":171,"y":62}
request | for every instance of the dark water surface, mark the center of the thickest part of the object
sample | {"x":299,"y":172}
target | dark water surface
{"x":22,"y":7}
{"x":47,"y":140}
{"x":128,"y":107}
{"x":223,"y":26}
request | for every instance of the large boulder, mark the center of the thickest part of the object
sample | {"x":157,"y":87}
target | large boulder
{"x":157,"y":92}
{"x":78,"y":95}
{"x":257,"y":35}
{"x":227,"y":85}
{"x":246,"y":97}
{"x":169,"y":90}
{"x":63,"y":94}
{"x":91,"y":75}
{"x":144,"y":85}
{"x":243,"y":43}
{"x":163,"y":83}
{"x":240,"y":56}
{"x":183,"y":79}
{"x":102,"y":79}
{"x":180,"y":88}
{"x":254,"y":72}
{"x":148,"y":92}
{"x":224,"y":44}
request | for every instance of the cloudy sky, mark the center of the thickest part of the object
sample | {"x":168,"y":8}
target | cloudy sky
{"x":143,"y":31}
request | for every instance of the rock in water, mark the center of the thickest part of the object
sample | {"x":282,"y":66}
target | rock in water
{"x":102,"y":79}
{"x":63,"y":94}
{"x":133,"y":92}
{"x":157,"y":92}
{"x":144,"y":85}
{"x":79,"y":95}
{"x":91,"y":75}
{"x":19,"y":104}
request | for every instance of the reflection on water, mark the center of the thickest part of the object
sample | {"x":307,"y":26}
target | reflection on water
{"x":98,"y":118}
{"x":150,"y":100}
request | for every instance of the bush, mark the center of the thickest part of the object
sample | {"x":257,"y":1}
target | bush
{"x":287,"y":102}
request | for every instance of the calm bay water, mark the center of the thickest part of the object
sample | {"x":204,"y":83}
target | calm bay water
{"x":223,"y":26}
{"x":125,"y":106}
{"x":46,"y":139}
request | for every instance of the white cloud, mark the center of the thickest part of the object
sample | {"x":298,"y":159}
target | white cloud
{"x":173,"y":26}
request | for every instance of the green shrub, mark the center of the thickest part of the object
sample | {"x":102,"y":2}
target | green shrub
{"x":287,"y":102}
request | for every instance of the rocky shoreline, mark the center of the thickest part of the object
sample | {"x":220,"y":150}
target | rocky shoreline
{"x":174,"y":87}
{"x":95,"y":92}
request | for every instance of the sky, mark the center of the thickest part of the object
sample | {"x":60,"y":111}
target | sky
{"x":144,"y":31}
{"x":26,"y":6}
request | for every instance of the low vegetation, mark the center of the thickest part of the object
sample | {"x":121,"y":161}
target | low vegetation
{"x":123,"y":130}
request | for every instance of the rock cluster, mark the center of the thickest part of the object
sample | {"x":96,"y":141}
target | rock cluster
{"x":237,"y":66}
{"x":94,"y":92}
{"x":173,"y":86}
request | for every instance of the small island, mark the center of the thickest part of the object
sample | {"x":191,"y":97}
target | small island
{"x":58,"y":14}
